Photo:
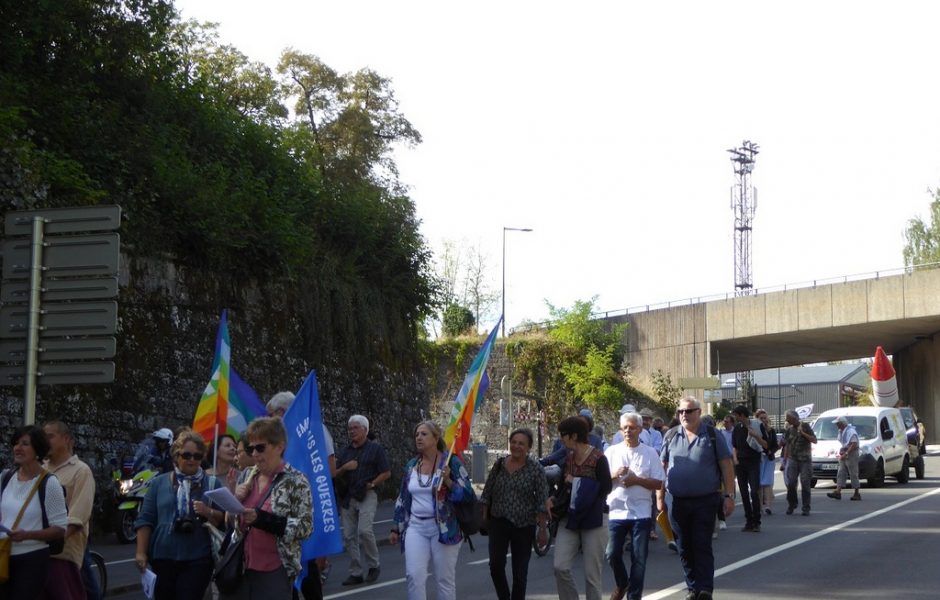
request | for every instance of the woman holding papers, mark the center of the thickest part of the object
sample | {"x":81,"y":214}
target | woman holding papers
{"x":278,"y":515}
{"x":425,"y":522}
{"x":170,"y":535}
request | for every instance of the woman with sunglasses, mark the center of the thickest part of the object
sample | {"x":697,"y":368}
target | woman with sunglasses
{"x":170,"y":535}
{"x":278,"y":515}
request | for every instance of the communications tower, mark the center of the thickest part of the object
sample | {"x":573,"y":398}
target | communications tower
{"x":744,"y":203}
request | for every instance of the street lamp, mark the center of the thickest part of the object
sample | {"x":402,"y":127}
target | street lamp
{"x":505,"y":229}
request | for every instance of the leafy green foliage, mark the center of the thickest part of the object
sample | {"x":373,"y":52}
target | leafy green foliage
{"x":574,"y":326}
{"x":923,"y":240}
{"x":574,"y":364}
{"x":665,"y":393}
{"x":117,"y":101}
{"x":458,"y":320}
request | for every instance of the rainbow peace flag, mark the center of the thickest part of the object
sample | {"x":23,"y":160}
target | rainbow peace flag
{"x":227,"y":400}
{"x":470,"y":397}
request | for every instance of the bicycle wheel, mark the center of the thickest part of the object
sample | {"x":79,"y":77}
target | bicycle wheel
{"x":542,"y":550}
{"x":101,"y":570}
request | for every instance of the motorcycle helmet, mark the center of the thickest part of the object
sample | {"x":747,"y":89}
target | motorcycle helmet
{"x":163,"y":434}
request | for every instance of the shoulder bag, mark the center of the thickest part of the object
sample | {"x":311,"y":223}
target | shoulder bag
{"x":230,"y":569}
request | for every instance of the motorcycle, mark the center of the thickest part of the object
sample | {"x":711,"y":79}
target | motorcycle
{"x":130,"y":488}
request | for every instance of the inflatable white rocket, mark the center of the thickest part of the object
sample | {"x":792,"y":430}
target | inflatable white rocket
{"x":884,"y":383}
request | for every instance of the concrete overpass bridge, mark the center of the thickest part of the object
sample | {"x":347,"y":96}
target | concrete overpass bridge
{"x":814,"y":322}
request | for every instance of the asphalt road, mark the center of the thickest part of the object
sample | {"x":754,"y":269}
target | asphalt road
{"x":882,"y":547}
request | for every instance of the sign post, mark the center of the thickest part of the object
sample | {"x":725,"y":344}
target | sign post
{"x":32,"y":331}
{"x":58,"y":323}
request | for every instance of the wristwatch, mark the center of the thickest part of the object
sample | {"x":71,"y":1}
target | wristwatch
{"x":729,"y":496}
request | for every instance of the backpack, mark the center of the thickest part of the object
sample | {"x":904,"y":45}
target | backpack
{"x":469,"y":517}
{"x":772,"y":445}
{"x":55,"y":546}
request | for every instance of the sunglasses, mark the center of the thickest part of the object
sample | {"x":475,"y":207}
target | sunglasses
{"x":686,"y":411}
{"x":191,"y":455}
{"x":259,"y":448}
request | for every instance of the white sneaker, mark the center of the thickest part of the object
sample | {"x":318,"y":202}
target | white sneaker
{"x":722,"y":525}
{"x":715,"y":535}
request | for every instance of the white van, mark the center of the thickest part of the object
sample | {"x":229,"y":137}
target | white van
{"x":882,"y":441}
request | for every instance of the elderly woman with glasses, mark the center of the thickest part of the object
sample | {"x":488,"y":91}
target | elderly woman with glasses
{"x":278,"y":514}
{"x":170,"y":535}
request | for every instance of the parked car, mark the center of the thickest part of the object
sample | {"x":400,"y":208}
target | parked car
{"x":883,"y":447}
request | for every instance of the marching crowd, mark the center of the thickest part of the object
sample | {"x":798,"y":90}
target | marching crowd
{"x":603,"y":498}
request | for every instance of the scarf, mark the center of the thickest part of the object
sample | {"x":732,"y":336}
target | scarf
{"x":184,"y":506}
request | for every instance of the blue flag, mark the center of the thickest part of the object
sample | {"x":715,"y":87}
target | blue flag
{"x":306,"y":451}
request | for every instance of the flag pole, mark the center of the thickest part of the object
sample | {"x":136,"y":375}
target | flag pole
{"x":215,"y":446}
{"x":449,"y":454}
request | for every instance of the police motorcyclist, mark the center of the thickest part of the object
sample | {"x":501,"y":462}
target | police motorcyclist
{"x":155,"y":453}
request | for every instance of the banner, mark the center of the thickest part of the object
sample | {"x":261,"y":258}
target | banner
{"x":307,"y":452}
{"x":804,"y":411}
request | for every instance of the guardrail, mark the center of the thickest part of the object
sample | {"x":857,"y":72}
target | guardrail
{"x":728,"y":295}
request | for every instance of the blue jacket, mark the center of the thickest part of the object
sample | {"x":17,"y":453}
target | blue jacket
{"x":159,"y":512}
{"x":460,"y":492}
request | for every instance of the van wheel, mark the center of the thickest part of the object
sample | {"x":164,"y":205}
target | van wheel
{"x":919,"y":467}
{"x":878,"y":479}
{"x":812,"y":483}
{"x":904,"y":475}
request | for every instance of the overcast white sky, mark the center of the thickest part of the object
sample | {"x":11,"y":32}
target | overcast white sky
{"x":604,"y":127}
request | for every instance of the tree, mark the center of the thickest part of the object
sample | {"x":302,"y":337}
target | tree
{"x":575,"y":363}
{"x":457,"y":320}
{"x":195,"y":142}
{"x":923,"y":240}
{"x":353,"y":118}
{"x":464,"y":276}
{"x":233,"y":80}
{"x":575,"y":326}
{"x":479,"y":293}
{"x":665,"y":392}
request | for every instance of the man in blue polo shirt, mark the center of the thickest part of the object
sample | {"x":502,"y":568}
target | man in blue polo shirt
{"x":696,"y":461}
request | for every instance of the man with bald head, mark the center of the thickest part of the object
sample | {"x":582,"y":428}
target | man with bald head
{"x":696,"y":462}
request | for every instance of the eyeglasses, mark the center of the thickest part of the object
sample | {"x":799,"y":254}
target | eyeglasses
{"x":191,"y":455}
{"x":686,"y":411}
{"x":259,"y":448}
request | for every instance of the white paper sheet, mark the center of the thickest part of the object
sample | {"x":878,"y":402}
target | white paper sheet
{"x":224,"y":499}
{"x":148,"y":580}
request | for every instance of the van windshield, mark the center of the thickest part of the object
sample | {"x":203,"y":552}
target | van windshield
{"x":825,"y":429}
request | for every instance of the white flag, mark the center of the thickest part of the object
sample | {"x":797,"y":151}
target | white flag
{"x":804,"y":411}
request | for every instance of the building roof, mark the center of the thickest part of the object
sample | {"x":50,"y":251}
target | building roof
{"x":850,"y":373}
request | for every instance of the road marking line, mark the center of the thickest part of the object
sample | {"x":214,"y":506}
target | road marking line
{"x":118,"y":562}
{"x":359,"y":590}
{"x":394,"y":581}
{"x":680,"y":587}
